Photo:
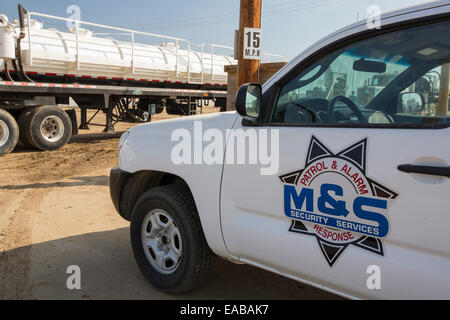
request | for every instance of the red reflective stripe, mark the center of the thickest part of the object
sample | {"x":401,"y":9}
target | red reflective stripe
{"x":69,"y":75}
{"x":130,"y":79}
{"x":143,"y":80}
{"x":31,"y":72}
{"x":50,"y":74}
{"x":155,"y":80}
{"x":115,"y":78}
{"x":101,"y":77}
{"x":87,"y":77}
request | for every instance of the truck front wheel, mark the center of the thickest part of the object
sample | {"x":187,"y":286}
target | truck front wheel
{"x":168,"y":241}
{"x":9,"y":132}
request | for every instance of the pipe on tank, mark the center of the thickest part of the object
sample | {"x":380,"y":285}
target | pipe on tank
{"x":17,"y":71}
{"x":21,"y":72}
{"x":8,"y":75}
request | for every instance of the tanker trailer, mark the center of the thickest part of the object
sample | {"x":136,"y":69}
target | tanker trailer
{"x":126,"y":74}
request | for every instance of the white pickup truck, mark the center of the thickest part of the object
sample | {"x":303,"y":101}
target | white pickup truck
{"x":314,"y":177}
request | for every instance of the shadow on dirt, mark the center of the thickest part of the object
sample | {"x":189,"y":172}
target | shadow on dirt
{"x":80,"y":181}
{"x":79,"y":138}
{"x":22,"y":149}
{"x":89,"y":137}
{"x":108,"y":271}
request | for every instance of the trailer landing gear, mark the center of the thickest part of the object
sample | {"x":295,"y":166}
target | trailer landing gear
{"x":125,"y":110}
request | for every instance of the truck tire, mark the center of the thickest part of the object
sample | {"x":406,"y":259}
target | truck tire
{"x":9,"y":132}
{"x":45,"y":128}
{"x":168,"y":241}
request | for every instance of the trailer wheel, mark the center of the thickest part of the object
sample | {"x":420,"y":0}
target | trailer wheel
{"x":45,"y":128}
{"x":9,"y":132}
{"x":168,"y":241}
{"x":23,"y":136}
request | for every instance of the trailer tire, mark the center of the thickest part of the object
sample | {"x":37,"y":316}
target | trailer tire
{"x":9,"y":132}
{"x":45,"y":128}
{"x":159,"y":108}
{"x":195,"y":258}
{"x":24,"y":138}
{"x":178,"y":109}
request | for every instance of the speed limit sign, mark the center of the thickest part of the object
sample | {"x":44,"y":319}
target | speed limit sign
{"x":252,"y":43}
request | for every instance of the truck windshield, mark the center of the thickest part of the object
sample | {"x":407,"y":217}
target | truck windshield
{"x":340,"y":78}
{"x":402,"y":72}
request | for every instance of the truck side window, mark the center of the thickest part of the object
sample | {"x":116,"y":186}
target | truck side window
{"x":402,"y":77}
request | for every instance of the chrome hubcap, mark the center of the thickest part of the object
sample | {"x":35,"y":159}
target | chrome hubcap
{"x":161,"y":240}
{"x":4,"y":133}
{"x":52,"y":128}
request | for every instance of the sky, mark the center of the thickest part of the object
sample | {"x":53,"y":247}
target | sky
{"x":288,"y":26}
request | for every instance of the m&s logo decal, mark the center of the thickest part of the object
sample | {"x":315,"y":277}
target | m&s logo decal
{"x":334,"y":200}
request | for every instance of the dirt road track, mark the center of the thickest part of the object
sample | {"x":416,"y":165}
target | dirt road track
{"x":56,"y":212}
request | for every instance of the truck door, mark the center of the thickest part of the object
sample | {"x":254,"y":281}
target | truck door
{"x":362,"y":187}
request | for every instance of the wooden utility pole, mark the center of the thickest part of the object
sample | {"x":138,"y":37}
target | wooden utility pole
{"x":249,"y":17}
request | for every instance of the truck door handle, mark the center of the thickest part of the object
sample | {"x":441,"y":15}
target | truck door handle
{"x":431,"y":170}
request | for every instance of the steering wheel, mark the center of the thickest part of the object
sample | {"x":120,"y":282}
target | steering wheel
{"x":349,"y":103}
{"x":296,"y":113}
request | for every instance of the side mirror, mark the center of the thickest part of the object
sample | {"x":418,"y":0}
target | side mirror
{"x":248,"y":100}
{"x":411,"y":102}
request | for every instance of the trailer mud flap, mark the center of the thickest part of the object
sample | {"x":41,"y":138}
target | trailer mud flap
{"x":73,"y":118}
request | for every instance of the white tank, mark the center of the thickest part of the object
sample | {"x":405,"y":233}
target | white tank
{"x":7,"y":40}
{"x":84,"y":54}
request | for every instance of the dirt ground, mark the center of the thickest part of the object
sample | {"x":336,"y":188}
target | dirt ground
{"x":56,"y":212}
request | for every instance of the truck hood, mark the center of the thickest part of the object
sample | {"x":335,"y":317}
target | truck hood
{"x":152,"y":143}
{"x":187,"y":121}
